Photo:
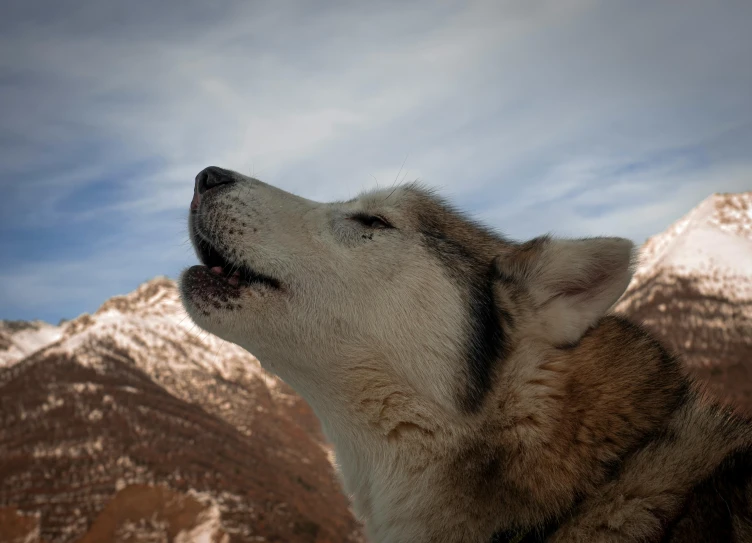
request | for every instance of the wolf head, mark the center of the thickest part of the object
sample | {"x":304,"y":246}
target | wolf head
{"x":393,"y":282}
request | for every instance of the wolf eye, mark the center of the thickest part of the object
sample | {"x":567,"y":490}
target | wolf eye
{"x":371,"y":221}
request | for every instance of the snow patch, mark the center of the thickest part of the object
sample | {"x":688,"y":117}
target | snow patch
{"x":712,"y":245}
{"x":20,"y":343}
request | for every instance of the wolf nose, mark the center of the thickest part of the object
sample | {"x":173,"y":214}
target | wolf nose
{"x":211,"y":177}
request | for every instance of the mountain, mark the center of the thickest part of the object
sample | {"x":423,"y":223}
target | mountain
{"x":693,"y":289}
{"x":21,"y":338}
{"x":135,"y":399}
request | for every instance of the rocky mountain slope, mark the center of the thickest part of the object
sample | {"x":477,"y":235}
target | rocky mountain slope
{"x":135,"y":395}
{"x":693,"y":288}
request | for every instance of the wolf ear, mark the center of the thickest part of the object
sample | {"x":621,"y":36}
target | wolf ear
{"x":573,"y":282}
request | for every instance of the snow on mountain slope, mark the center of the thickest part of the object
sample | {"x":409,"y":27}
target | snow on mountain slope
{"x":21,"y":338}
{"x":712,"y":244}
{"x":730,"y":214}
{"x":150,"y":323}
{"x":693,"y":288}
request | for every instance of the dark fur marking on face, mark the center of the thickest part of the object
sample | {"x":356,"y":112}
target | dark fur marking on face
{"x":488,"y":341}
{"x":459,"y":248}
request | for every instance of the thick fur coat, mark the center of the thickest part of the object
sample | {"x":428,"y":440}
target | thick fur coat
{"x":474,"y":388}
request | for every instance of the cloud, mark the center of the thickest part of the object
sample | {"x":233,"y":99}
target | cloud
{"x":592,"y":114}
{"x":636,"y":207}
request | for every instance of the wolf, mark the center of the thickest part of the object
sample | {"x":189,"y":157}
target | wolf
{"x":474,"y":388}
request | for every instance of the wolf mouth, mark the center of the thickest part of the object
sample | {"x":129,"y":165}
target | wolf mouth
{"x":235,"y":274}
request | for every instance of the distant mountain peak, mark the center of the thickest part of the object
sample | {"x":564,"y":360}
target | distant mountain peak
{"x":157,"y":297}
{"x":147,"y":297}
{"x":19,"y":339}
{"x":712,"y":240}
{"x":693,"y":289}
{"x":732,"y":212}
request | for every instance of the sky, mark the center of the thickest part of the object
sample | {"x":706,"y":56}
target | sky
{"x":575,"y":117}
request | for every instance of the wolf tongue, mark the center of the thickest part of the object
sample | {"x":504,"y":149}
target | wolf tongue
{"x":217,"y":270}
{"x":234,"y":279}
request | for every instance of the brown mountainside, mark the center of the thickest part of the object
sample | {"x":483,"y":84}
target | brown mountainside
{"x":134,"y":395}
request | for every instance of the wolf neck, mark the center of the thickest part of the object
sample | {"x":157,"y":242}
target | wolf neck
{"x":553,"y":425}
{"x":386,"y":437}
{"x":402,"y":456}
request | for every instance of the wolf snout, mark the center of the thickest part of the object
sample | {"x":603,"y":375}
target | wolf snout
{"x":209,"y":178}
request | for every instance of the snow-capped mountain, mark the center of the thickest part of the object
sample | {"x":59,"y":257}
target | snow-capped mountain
{"x":135,"y":394}
{"x":21,"y":338}
{"x":693,"y":288}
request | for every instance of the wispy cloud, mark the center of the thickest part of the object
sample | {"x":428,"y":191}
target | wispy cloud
{"x":576,"y":116}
